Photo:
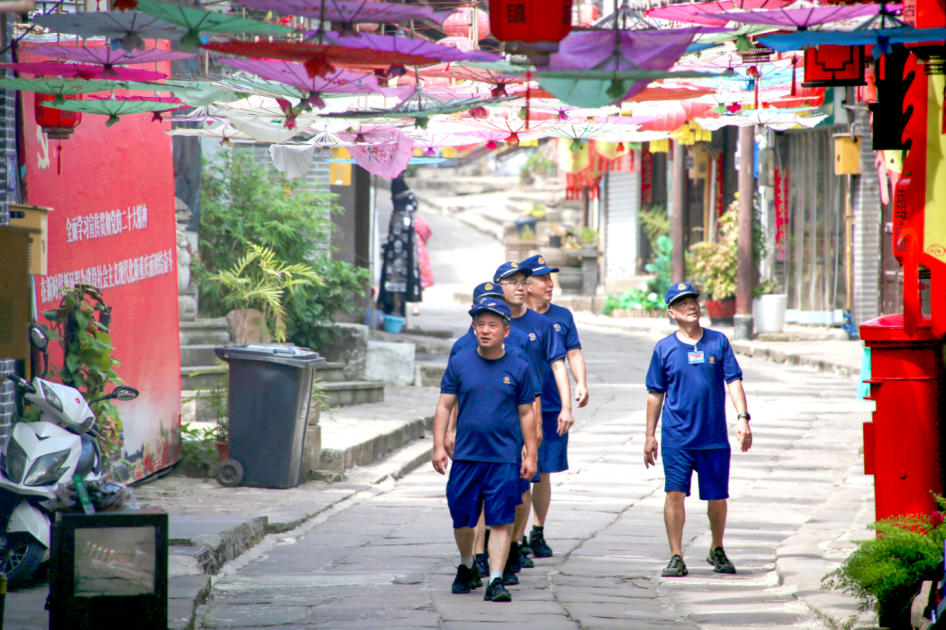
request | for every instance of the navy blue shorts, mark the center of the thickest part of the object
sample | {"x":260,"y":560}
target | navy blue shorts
{"x":553,"y":452}
{"x":473,"y":485}
{"x":711,"y":466}
{"x":524,"y":485}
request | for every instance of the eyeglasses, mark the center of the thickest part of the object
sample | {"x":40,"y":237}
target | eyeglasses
{"x":515,"y":284}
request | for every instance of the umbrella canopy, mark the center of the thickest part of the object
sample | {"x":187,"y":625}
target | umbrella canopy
{"x":804,"y":17}
{"x":388,"y":157}
{"x":194,"y":93}
{"x":131,"y":27}
{"x":83,"y":71}
{"x":626,"y":19}
{"x":419,"y":105}
{"x":706,"y":12}
{"x":881,"y":38}
{"x":206,"y":114}
{"x":197,"y":21}
{"x":295,"y":75}
{"x":59,"y":87}
{"x":350,"y":12}
{"x":106,"y":55}
{"x":226,"y":134}
{"x":246,"y":83}
{"x":492,"y":72}
{"x":772,"y":118}
{"x":511,"y":128}
{"x":114,"y":107}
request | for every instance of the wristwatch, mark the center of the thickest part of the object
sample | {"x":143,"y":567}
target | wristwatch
{"x":744,"y":415}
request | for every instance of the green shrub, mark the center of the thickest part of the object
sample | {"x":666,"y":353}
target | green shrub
{"x":243,"y":203}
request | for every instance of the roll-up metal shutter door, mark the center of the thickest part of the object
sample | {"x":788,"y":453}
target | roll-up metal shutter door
{"x":624,"y":201}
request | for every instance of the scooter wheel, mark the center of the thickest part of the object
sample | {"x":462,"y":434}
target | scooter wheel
{"x":229,"y":473}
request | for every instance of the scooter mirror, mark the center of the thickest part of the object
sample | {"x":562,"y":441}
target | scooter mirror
{"x":38,"y":338}
{"x":123,"y":392}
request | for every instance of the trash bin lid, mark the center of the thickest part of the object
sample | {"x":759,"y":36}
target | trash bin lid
{"x":283,"y":355}
{"x":891,"y":328}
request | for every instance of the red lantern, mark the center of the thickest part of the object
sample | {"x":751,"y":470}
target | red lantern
{"x":460,"y":23}
{"x":830,"y":66}
{"x":531,"y":25}
{"x":58,"y":124}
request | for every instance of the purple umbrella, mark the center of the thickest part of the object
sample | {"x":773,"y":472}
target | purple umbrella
{"x":106,"y":56}
{"x":707,"y":12}
{"x":349,"y":12}
{"x":82,"y":71}
{"x":295,"y":74}
{"x":803,"y":18}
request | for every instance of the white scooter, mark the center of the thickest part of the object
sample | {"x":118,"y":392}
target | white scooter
{"x":38,"y":457}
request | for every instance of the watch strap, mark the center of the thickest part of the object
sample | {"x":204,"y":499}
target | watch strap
{"x":745,"y":415}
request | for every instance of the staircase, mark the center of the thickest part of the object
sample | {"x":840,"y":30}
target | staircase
{"x":340,"y":392}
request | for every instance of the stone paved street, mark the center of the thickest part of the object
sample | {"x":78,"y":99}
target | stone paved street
{"x":386,"y":558}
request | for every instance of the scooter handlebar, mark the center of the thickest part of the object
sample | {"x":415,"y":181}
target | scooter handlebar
{"x":20,"y":381}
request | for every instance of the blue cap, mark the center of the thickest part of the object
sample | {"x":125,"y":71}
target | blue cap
{"x":491,"y":305}
{"x":537,"y":265}
{"x":488,"y":289}
{"x":508,"y":268}
{"x":679,"y":290}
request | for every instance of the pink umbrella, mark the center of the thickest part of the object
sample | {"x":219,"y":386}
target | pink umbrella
{"x":82,"y":71}
{"x":514,"y":128}
{"x":705,"y":12}
{"x":295,"y":74}
{"x":803,"y":18}
{"x":350,"y":12}
{"x":106,"y":56}
{"x":387,"y":158}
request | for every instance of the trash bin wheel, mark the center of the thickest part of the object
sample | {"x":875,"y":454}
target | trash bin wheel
{"x":229,"y":473}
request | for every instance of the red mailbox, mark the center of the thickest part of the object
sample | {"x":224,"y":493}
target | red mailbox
{"x":904,"y":445}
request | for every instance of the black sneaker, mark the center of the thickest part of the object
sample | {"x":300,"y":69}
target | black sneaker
{"x":540,"y":548}
{"x":476,"y":578}
{"x":676,"y":568}
{"x":513,"y":565}
{"x":524,"y":547}
{"x":510,"y":579}
{"x":482,"y":564}
{"x":721,"y":564}
{"x":496,"y":592}
{"x":525,"y":561}
{"x":461,"y":583}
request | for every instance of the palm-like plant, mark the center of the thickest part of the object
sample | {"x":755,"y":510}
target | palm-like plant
{"x":259,"y":279}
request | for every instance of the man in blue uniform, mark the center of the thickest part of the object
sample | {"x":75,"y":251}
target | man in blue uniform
{"x":516,"y":343}
{"x":548,"y":353}
{"x":553,"y":451}
{"x":688,"y":375}
{"x":495,"y":391}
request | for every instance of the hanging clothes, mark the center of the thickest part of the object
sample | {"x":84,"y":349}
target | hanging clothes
{"x":400,"y":272}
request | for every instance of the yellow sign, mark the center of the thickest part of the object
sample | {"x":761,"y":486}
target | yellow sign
{"x":340,"y":174}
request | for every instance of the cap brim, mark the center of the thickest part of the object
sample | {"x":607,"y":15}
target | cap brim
{"x":479,"y":310}
{"x":490,"y":294}
{"x":540,"y":271}
{"x":523,"y":270}
{"x":682,"y":295}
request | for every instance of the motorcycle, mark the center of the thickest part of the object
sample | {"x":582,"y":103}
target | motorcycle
{"x":39,"y":458}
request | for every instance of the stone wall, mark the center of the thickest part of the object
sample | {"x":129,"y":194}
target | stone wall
{"x":348,"y":344}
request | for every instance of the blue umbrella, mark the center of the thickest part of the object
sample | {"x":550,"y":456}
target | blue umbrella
{"x":881,"y":38}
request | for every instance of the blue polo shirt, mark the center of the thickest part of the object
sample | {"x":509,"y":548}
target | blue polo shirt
{"x":517,"y":342}
{"x":563,"y":323}
{"x":694,"y":411}
{"x":489,"y":392}
{"x":544,"y":347}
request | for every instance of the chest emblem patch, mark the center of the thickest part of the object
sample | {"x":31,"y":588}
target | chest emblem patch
{"x":506,"y":380}
{"x":531,"y":336}
{"x":558,"y":328}
{"x":712,"y":360}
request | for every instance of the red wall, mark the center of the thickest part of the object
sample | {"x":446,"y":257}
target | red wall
{"x":109,"y":173}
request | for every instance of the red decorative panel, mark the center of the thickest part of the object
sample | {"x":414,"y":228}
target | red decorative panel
{"x":828,"y":66}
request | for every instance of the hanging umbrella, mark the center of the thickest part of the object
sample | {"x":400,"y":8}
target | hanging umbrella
{"x":419,"y":105}
{"x":595,"y":68}
{"x":772,"y":118}
{"x":130,"y":28}
{"x":295,"y":75}
{"x":83,"y":71}
{"x":498,"y":73}
{"x":388,"y":157}
{"x":59,"y":87}
{"x":194,"y":93}
{"x":513,"y":128}
{"x":347,"y":13}
{"x":803,"y":18}
{"x":706,"y":12}
{"x":247,"y":84}
{"x":206,"y":114}
{"x":197,"y":21}
{"x":626,"y":19}
{"x":601,"y":128}
{"x":114,"y":107}
{"x":366,"y":51}
{"x":106,"y":55}
{"x":226,"y":134}
{"x":268,"y":129}
{"x":880,"y":38}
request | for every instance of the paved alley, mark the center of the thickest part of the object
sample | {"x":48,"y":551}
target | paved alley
{"x":386,"y":558}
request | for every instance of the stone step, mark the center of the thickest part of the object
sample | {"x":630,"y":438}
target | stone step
{"x":331,"y":372}
{"x":344,"y":393}
{"x":197,"y":355}
{"x":194,"y":377}
{"x":205,"y":332}
{"x":429,"y":373}
{"x":376,"y":441}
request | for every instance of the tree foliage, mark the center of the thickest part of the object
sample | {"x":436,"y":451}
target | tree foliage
{"x":242,"y":204}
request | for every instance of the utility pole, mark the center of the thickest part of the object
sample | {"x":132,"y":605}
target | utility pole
{"x":745,"y":270}
{"x":678,"y":213}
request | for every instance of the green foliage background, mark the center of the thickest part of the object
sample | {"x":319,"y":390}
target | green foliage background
{"x":243,"y":203}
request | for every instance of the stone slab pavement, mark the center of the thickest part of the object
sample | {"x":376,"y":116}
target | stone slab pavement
{"x":385,"y":556}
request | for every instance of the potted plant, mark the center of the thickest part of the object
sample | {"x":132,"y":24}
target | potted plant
{"x":555,"y":235}
{"x":768,"y":308}
{"x":886,"y":571}
{"x":715,"y":265}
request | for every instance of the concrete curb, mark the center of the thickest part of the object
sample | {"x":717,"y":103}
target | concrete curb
{"x":369,"y":451}
{"x":780,"y":356}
